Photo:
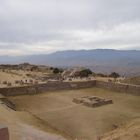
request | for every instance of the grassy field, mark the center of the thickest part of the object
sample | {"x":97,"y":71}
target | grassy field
{"x":78,"y":121}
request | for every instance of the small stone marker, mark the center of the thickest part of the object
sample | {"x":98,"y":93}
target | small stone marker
{"x":4,"y":134}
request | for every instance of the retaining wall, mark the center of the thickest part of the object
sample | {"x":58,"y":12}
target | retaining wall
{"x":124,"y":88}
{"x":50,"y":86}
{"x":53,"y":86}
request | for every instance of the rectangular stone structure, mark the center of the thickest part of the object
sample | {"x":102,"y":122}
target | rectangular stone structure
{"x":92,"y":101}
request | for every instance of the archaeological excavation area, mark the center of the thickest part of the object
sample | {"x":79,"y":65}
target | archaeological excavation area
{"x":67,"y":113}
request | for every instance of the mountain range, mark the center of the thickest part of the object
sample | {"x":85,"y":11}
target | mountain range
{"x":125,"y":62}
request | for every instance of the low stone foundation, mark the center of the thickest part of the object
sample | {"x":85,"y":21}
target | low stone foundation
{"x":92,"y":101}
{"x":4,"y":134}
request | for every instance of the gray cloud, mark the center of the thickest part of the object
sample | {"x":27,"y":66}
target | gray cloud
{"x":42,"y":26}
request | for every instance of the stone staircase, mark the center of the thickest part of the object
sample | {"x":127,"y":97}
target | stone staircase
{"x":8,"y":104}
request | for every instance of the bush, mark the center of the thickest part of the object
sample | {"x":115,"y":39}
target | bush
{"x":17,"y":81}
{"x":85,"y":73}
{"x":5,"y":82}
{"x":51,"y":68}
{"x":9,"y":84}
{"x":56,"y":71}
{"x":114,"y":75}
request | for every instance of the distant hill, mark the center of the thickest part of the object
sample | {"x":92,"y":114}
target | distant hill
{"x":126,"y":62}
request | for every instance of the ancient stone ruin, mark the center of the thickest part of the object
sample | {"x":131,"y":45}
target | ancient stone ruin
{"x":92,"y":101}
{"x":6,"y":103}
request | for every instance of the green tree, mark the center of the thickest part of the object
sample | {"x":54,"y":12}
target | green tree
{"x":85,"y":72}
{"x":56,"y":71}
{"x":114,"y":75}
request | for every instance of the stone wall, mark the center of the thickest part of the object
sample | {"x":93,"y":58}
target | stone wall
{"x":53,"y":86}
{"x":124,"y":88}
{"x":50,"y":86}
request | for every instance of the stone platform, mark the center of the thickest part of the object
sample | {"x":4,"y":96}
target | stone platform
{"x":92,"y":101}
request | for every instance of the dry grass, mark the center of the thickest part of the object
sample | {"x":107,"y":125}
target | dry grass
{"x":131,"y":131}
{"x":77,"y":121}
{"x":133,"y":80}
{"x":11,"y":76}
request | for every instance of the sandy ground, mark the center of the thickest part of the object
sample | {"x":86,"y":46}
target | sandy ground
{"x":13,"y":75}
{"x":131,"y":131}
{"x":30,"y":133}
{"x":23,"y":126}
{"x":78,"y":121}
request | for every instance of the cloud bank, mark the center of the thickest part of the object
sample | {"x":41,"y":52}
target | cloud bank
{"x":44,"y":26}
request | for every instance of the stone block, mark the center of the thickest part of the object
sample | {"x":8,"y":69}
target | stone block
{"x":4,"y":134}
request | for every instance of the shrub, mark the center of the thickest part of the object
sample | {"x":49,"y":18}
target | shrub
{"x":114,"y":75}
{"x":9,"y":84}
{"x":5,"y":82}
{"x":56,"y":70}
{"x":85,"y":73}
{"x":17,"y":82}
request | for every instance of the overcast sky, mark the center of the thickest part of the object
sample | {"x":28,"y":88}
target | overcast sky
{"x":44,"y":26}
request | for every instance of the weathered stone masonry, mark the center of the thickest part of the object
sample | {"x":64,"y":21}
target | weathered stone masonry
{"x":53,"y":86}
{"x":50,"y":86}
{"x":124,"y":88}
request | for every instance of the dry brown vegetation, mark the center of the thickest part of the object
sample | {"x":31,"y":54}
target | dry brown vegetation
{"x":21,"y":77}
{"x":130,"y":131}
{"x":133,"y":80}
